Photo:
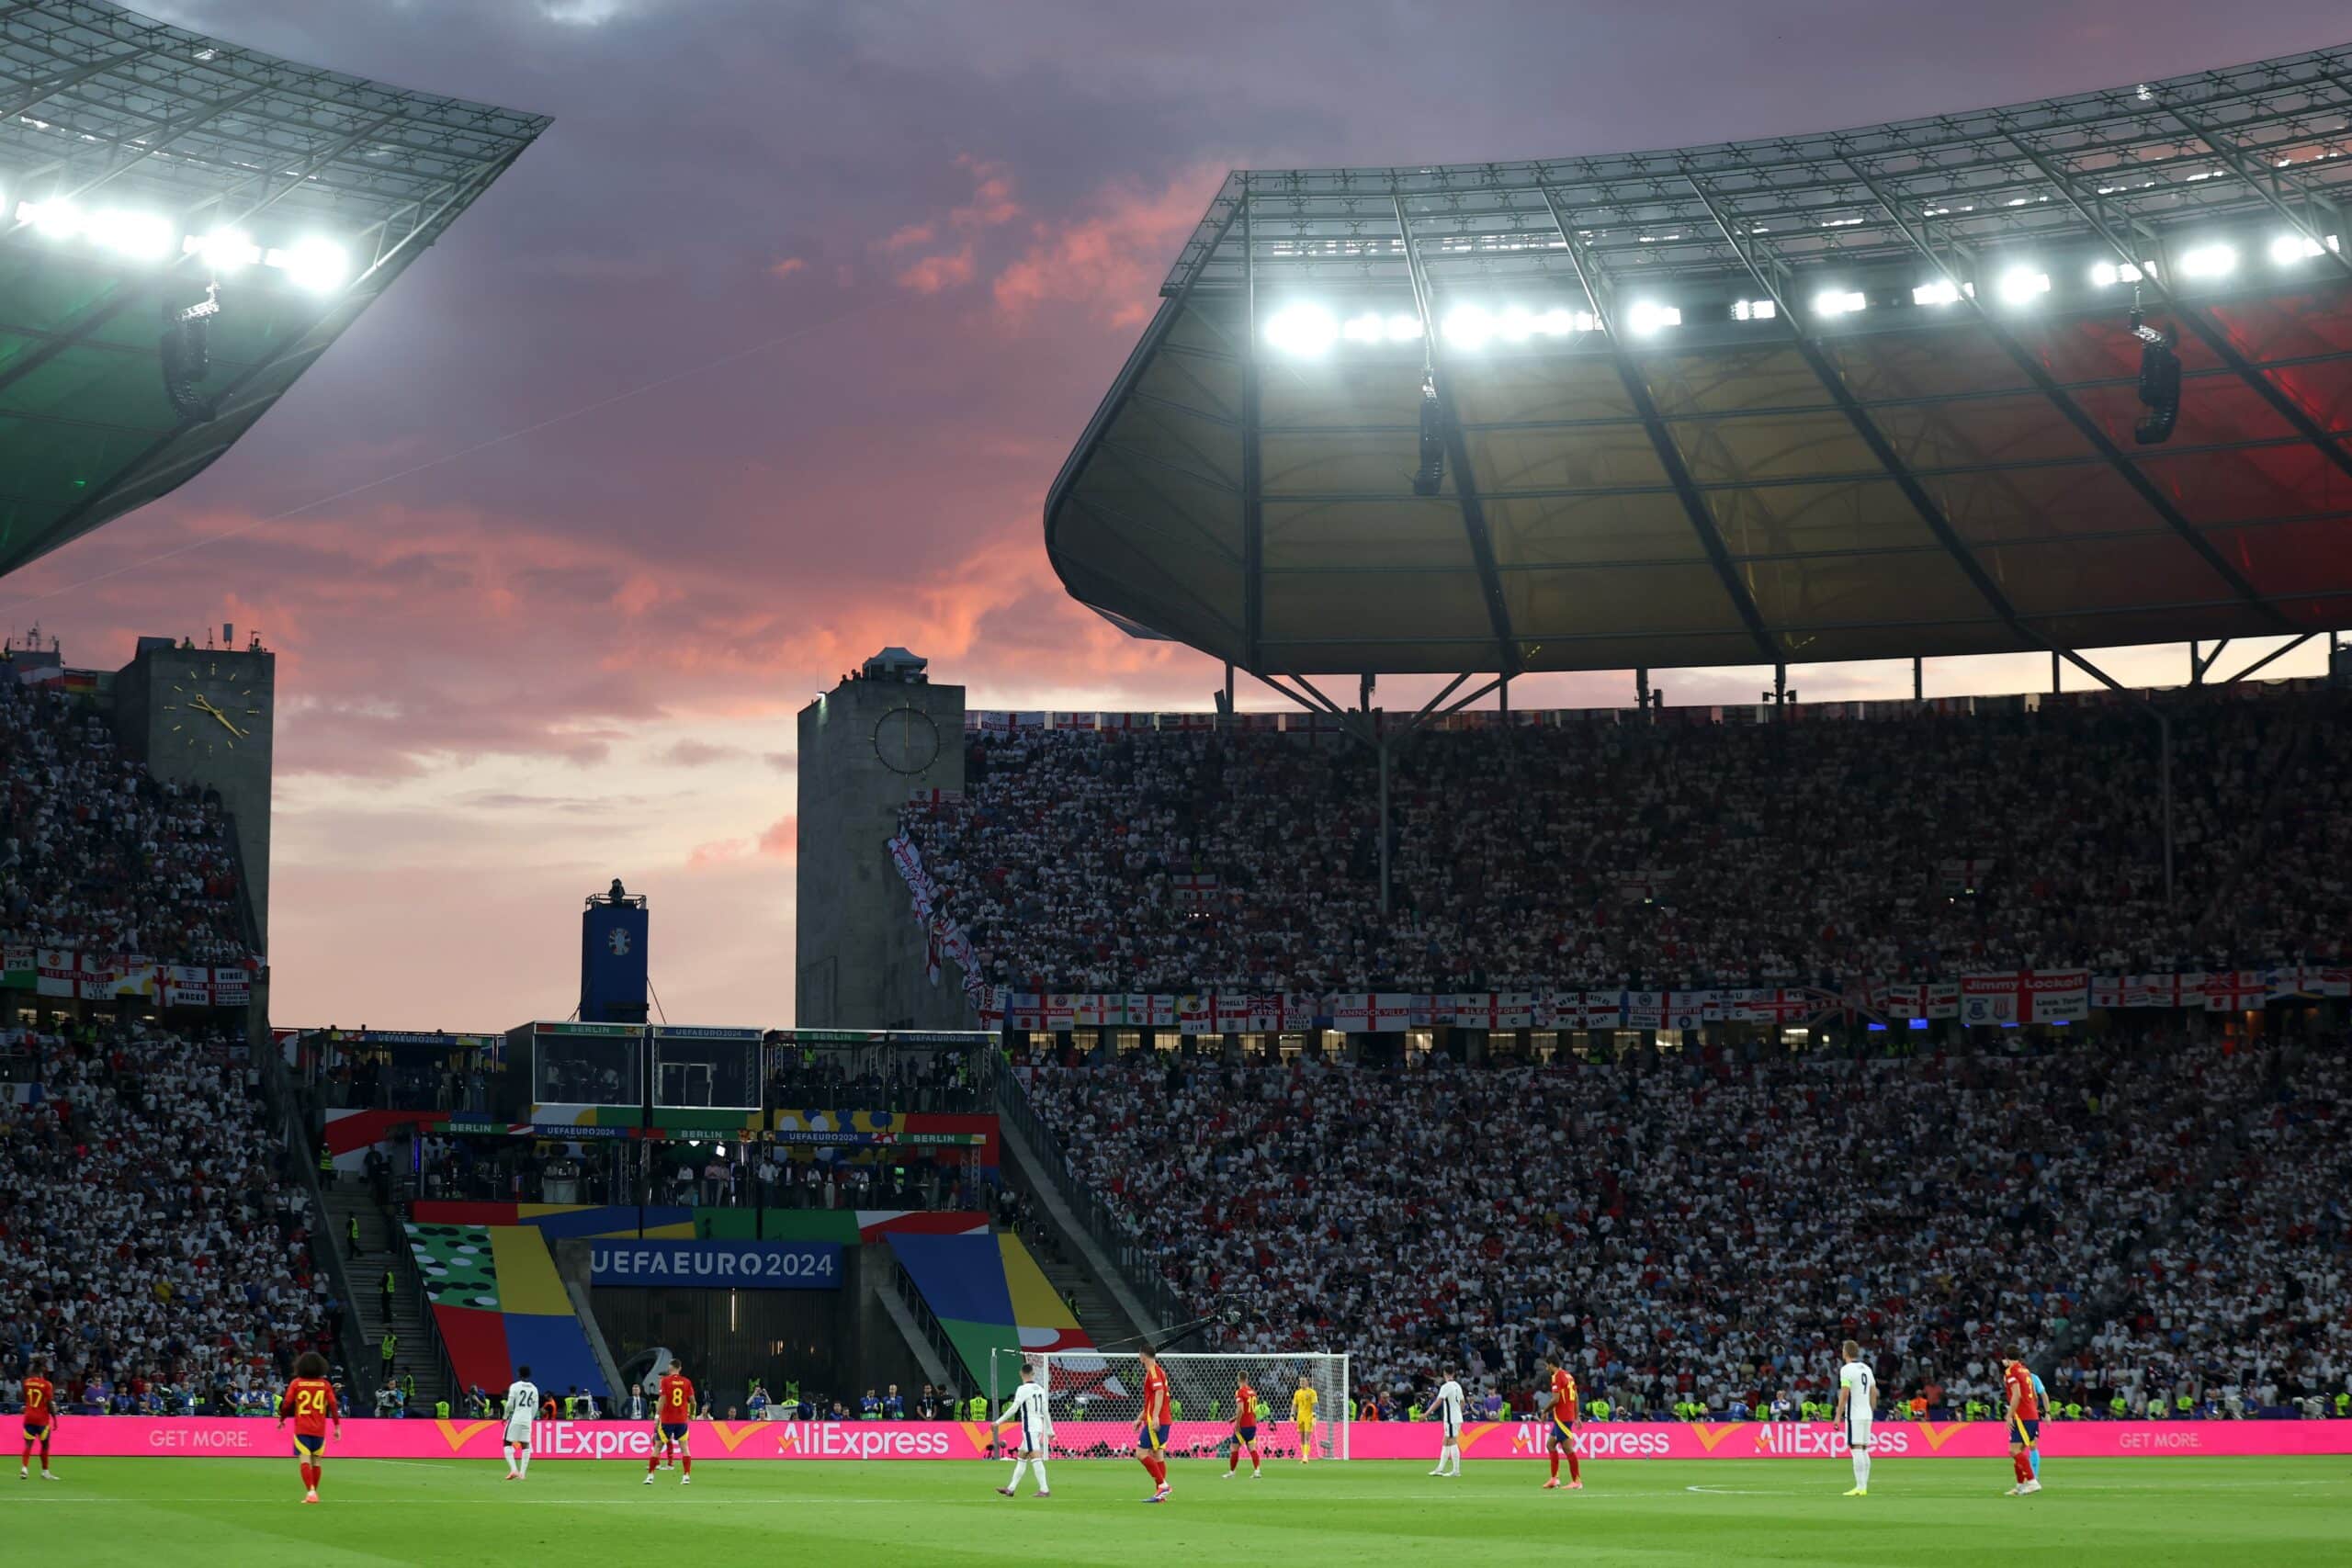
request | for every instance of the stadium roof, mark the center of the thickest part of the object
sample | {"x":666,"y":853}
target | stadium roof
{"x":1860,"y":394}
{"x":139,"y":161}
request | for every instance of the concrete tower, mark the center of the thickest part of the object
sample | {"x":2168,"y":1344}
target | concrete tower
{"x":866,"y":746}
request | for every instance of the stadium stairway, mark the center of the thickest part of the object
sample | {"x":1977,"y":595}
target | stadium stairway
{"x":418,"y":1351}
{"x":1078,"y":1268}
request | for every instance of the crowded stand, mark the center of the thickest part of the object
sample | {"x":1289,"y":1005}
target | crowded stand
{"x":1697,"y":1232}
{"x":98,"y":855}
{"x":155,"y":1246}
{"x":1607,"y":852}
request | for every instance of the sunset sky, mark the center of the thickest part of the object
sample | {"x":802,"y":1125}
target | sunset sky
{"x":790,"y":319}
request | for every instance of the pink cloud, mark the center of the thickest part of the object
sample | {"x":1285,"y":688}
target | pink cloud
{"x":991,"y":202}
{"x":936,"y":275}
{"x":788,"y":266}
{"x":780,"y":840}
{"x":1109,"y":262}
{"x":911,"y":235}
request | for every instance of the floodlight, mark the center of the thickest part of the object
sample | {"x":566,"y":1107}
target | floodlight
{"x":1366,"y":328}
{"x":1943,"y":292}
{"x":224,"y":250}
{"x":1517,"y":324}
{"x":1648,"y":316}
{"x":1838,"y":302}
{"x":2019,"y":285}
{"x":2209,"y":261}
{"x":1754,"y":310}
{"x":143,"y":236}
{"x":2107,"y":275}
{"x":1559,"y":322}
{"x":1468,"y":326}
{"x":1302,"y":329}
{"x":51,"y":220}
{"x":1403,"y":328}
{"x":2289,"y":249}
{"x":317,"y":264}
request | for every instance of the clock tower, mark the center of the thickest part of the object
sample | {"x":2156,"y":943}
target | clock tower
{"x":866,"y":746}
{"x":204,"y":717}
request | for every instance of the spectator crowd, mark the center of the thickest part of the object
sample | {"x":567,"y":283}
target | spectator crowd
{"x":1654,"y":856}
{"x":153,"y":1240}
{"x":98,"y":855}
{"x":2166,"y":1220}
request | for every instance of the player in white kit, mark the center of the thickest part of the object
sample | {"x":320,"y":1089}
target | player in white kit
{"x":1857,"y":1394}
{"x":1448,"y":1406}
{"x":522,"y":1409}
{"x":1029,"y":1407}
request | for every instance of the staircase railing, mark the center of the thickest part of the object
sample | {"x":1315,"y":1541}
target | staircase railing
{"x":926,"y":1320}
{"x":1127,"y":1255}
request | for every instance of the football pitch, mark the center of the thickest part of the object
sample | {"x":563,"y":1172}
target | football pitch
{"x":452,"y":1513}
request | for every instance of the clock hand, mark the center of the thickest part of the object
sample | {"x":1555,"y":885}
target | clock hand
{"x":225,"y":722}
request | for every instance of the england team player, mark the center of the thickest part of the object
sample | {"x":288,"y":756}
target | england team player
{"x":522,"y":1409}
{"x":1857,"y":1394}
{"x":1030,"y":1409}
{"x":1448,"y":1407}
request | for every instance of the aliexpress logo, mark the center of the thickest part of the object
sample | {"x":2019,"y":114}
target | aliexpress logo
{"x":455,"y":1435}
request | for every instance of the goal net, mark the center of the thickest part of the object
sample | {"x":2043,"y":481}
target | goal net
{"x":1097,"y":1399}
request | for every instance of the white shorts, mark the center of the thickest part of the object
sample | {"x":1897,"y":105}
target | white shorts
{"x":1035,"y":1439}
{"x":518,"y":1430}
{"x":1858,"y":1436}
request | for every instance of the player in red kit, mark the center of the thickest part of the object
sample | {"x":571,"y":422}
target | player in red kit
{"x":1561,"y":1428}
{"x":672,"y":1410}
{"x":1151,"y":1434}
{"x":1245,"y":1411}
{"x":309,"y":1399}
{"x":41,"y":1420}
{"x":2025,"y":1422}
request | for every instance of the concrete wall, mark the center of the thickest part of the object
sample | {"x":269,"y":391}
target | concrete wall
{"x":153,"y":720}
{"x":860,"y":954}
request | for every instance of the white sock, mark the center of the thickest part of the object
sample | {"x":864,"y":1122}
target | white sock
{"x":511,"y":1452}
{"x":527,"y":1463}
{"x":1457,"y":1462}
{"x":1040,"y":1465}
{"x":1862,"y":1469}
{"x":1020,"y":1468}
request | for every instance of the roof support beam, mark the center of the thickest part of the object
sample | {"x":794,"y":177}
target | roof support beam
{"x":34,"y":92}
{"x":1253,"y":506}
{"x":2281,"y":651}
{"x":1602,"y":298}
{"x":1457,"y":452}
{"x":1808,"y":347}
{"x":2089,"y":429}
{"x":2265,"y":180}
{"x":2092,"y":211}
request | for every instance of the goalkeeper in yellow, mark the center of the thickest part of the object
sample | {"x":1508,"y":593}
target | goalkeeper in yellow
{"x":1301,"y":1415}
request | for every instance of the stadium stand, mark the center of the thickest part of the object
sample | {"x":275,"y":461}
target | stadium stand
{"x":1612,"y":852}
{"x":96,"y":853}
{"x":153,"y":1235}
{"x":1699,"y":1231}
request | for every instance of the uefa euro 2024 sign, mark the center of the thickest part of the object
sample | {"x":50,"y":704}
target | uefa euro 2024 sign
{"x":717,"y":1264}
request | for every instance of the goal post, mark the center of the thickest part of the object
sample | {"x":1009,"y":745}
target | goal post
{"x":1097,"y":1399}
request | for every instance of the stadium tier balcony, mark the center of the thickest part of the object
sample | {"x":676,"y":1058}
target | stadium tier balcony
{"x":1701,"y":1231}
{"x":1610,"y":851}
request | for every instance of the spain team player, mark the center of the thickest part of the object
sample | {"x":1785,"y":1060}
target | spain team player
{"x":1562,"y":1427}
{"x":309,"y":1399}
{"x":1301,"y":1415}
{"x":2025,"y":1422}
{"x":1245,"y":1411}
{"x":672,"y":1410}
{"x":41,"y":1420}
{"x":1151,"y":1432}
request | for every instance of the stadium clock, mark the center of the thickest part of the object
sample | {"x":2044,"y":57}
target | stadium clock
{"x":907,"y":739}
{"x":210,"y":710}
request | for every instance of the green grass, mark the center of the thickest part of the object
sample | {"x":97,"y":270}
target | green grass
{"x":450,"y":1513}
